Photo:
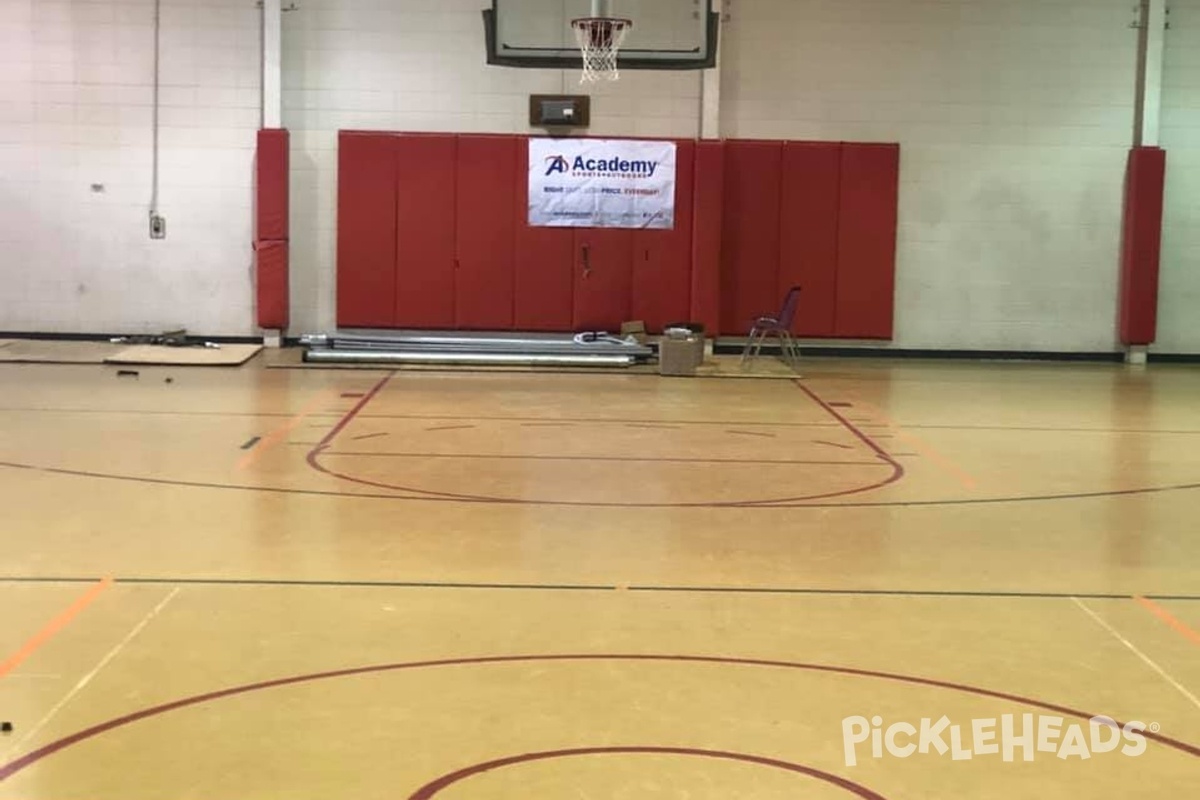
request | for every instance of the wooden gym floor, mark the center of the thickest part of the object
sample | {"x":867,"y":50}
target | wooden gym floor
{"x":284,"y":583}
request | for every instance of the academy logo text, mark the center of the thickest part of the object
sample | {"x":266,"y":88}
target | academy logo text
{"x":600,"y":167}
{"x":1006,"y":737}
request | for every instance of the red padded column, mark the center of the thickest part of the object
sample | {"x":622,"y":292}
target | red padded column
{"x":662,"y":260}
{"x":271,"y":229}
{"x":808,"y":250}
{"x":544,"y":264}
{"x":707,"y":205}
{"x":750,"y":243}
{"x":867,"y":240}
{"x":425,"y":229}
{"x":485,"y":220}
{"x":1141,"y":243}
{"x":366,"y":235}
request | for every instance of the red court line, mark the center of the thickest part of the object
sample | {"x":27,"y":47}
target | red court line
{"x":13,"y":767}
{"x":619,"y":459}
{"x":436,"y":787}
{"x":1175,"y":624}
{"x":53,"y":626}
{"x":315,"y":455}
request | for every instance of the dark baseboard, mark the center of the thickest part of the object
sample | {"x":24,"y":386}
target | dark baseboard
{"x":1173,"y":358}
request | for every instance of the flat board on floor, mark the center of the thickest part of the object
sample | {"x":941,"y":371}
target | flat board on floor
{"x":41,"y":351}
{"x":227,"y":355}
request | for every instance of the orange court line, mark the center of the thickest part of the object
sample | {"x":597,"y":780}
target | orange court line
{"x":54,"y":626}
{"x":925,"y":448}
{"x":1166,"y":616}
{"x":279,"y":434}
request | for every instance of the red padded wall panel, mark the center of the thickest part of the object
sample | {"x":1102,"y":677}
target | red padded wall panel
{"x":485,"y":221}
{"x":707,"y":205}
{"x":603,"y":278}
{"x":867,"y":240}
{"x":425,"y":230}
{"x":271,"y":228}
{"x":544,"y":264}
{"x":271,"y":180}
{"x":366,"y":237}
{"x":750,"y":235}
{"x":1141,"y":245}
{"x":271,"y":262}
{"x":808,"y":237}
{"x":662,"y":259}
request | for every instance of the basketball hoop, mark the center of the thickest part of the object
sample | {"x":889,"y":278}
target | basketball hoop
{"x":600,"y":40}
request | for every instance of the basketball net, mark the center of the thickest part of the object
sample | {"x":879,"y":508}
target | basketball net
{"x":600,"y":40}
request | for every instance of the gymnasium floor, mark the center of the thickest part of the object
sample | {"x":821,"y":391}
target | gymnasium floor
{"x":300,"y":583}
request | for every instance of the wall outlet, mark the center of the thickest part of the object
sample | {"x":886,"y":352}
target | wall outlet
{"x":158,"y":227}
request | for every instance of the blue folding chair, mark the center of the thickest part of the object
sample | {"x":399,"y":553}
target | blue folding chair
{"x":780,"y":326}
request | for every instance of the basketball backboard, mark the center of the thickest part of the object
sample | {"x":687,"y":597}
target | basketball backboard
{"x":666,"y":34}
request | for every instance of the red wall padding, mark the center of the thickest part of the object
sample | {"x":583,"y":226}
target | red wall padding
{"x":545,"y":265}
{"x":433,"y":232}
{"x":603,"y":278}
{"x":271,"y":259}
{"x":808,"y":236}
{"x":750,"y":237}
{"x":486,"y":232}
{"x":271,"y":228}
{"x":1145,"y":177}
{"x":425,"y":230}
{"x":867,"y":240}
{"x":366,"y":240}
{"x":707,"y":212}
{"x":662,"y":259}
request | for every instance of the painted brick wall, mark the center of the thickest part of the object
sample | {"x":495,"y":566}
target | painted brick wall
{"x":1014,"y":119}
{"x":1179,"y":287}
{"x":419,"y":65}
{"x":75,"y":110}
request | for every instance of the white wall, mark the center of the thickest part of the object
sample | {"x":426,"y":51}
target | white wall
{"x":419,"y":65}
{"x":1179,"y":288}
{"x":1014,"y":120}
{"x":75,"y":110}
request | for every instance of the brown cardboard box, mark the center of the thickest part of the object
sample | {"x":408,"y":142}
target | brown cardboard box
{"x":636,"y":329}
{"x":680,"y":356}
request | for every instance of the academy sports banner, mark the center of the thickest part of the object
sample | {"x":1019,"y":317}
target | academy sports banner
{"x":601,"y":183}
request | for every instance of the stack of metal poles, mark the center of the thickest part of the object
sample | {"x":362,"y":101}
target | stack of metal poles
{"x":564,"y":350}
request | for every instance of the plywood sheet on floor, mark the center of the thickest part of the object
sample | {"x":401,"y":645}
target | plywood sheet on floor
{"x":38,"y":351}
{"x":227,"y":355}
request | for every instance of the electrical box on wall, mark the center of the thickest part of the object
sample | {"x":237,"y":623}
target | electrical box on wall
{"x":559,"y":110}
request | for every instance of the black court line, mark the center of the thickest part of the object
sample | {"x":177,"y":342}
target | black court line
{"x":251,"y":442}
{"x":622,"y":459}
{"x":597,"y":420}
{"x":600,"y":587}
{"x":732,"y":505}
{"x":752,"y":433}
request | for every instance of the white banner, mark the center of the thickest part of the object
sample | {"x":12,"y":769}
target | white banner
{"x":601,"y":183}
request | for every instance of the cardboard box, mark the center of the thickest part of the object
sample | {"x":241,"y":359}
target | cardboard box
{"x":636,"y":329}
{"x":680,"y":356}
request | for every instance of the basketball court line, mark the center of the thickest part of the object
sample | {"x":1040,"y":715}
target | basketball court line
{"x":618,"y":459}
{"x":601,"y":420}
{"x":86,"y":679}
{"x":413,"y":493}
{"x":1172,"y":622}
{"x":77,"y":473}
{"x":580,"y":587}
{"x":280,"y":433}
{"x":13,"y":767}
{"x":924,"y":448}
{"x":1133,"y":649}
{"x":55,"y":625}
